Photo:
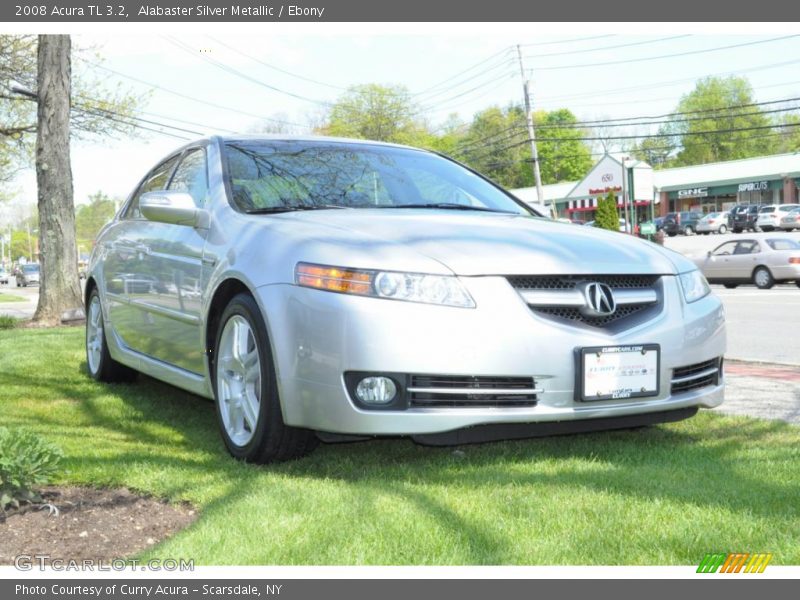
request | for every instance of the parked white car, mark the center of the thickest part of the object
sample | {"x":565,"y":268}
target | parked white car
{"x":769,"y":217}
{"x":791,"y":221}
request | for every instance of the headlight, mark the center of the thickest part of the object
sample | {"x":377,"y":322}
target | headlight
{"x":694,"y":286}
{"x":444,"y":290}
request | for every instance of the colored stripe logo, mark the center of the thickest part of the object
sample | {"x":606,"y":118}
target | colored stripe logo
{"x":735,"y":562}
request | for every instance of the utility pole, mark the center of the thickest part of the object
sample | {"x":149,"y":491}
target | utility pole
{"x":625,"y":194}
{"x":537,"y":175}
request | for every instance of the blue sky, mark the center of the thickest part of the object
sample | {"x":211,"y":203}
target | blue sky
{"x":336,"y":60}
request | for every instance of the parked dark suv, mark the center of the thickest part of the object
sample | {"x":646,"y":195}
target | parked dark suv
{"x":744,"y":217}
{"x":684,"y":222}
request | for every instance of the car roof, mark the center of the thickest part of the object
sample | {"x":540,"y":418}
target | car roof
{"x":250,"y":137}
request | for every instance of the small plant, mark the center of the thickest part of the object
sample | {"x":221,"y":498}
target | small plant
{"x":606,"y":216}
{"x":26,"y":460}
{"x":7,"y":322}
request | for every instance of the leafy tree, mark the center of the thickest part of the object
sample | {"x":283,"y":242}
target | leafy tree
{"x":376,"y":112}
{"x":22,"y":245}
{"x":90,"y":218}
{"x":497,"y":146}
{"x":606,"y":216}
{"x":789,"y":127}
{"x":44,"y":64}
{"x":568,"y":158}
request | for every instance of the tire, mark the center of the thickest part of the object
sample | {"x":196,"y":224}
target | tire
{"x":672,"y":234}
{"x":722,"y":229}
{"x":99,"y":363}
{"x":731,"y":286}
{"x":735,"y":230}
{"x":762,"y":278}
{"x":250,"y":418}
{"x":688,"y":230}
{"x":797,"y":283}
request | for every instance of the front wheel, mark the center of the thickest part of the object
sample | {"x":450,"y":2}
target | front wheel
{"x":763,"y":278}
{"x":98,"y":359}
{"x":722,"y":229}
{"x":246,"y":392}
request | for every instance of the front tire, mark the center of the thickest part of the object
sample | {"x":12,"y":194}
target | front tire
{"x":99,"y":363}
{"x":246,"y":391}
{"x":763,"y":278}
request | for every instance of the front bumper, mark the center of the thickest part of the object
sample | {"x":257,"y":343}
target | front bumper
{"x":318,"y":336}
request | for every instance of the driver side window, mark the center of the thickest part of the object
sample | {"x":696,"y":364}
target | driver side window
{"x":156,"y":180}
{"x":726,"y":249}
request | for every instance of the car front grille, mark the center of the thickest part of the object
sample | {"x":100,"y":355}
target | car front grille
{"x":570,"y":282}
{"x":457,"y":391}
{"x":558,"y":297}
{"x":696,"y":376}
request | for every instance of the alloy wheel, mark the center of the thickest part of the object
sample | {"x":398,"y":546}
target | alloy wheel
{"x":238,"y":380}
{"x":94,"y":335}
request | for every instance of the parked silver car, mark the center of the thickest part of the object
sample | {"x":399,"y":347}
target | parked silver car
{"x":715,"y":222}
{"x":762,"y":262}
{"x":321,"y":288}
{"x":28,"y":274}
{"x":790,"y":221}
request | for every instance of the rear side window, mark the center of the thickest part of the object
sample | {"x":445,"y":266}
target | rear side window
{"x":767,"y":209}
{"x":157,"y":179}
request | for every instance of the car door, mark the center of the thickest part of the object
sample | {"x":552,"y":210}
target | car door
{"x":125,"y":277}
{"x":744,"y":259}
{"x":716,"y":266}
{"x":173,"y":260}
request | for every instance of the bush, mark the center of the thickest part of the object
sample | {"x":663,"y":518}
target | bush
{"x":7,"y":322}
{"x":606,"y":216}
{"x":26,"y":460}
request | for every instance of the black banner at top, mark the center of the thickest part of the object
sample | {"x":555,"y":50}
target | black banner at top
{"x":610,"y":11}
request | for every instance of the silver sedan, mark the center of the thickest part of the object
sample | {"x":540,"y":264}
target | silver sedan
{"x":763,"y":262}
{"x":331,"y":289}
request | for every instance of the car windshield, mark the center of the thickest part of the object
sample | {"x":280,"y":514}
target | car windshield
{"x":30,"y":269}
{"x":275,"y":176}
{"x":783,"y":244}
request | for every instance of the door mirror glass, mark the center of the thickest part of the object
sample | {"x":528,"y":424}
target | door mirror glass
{"x":176,"y":208}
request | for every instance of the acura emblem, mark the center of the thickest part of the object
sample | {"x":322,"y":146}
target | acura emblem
{"x":599,"y":300}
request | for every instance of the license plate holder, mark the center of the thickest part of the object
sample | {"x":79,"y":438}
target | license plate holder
{"x":618,"y":372}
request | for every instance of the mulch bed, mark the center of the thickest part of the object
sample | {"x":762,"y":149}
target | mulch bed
{"x":98,"y":524}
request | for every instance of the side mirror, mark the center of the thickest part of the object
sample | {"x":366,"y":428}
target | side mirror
{"x":176,"y":208}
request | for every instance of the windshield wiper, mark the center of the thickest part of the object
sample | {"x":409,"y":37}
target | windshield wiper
{"x":290,"y":208}
{"x":448,"y":206}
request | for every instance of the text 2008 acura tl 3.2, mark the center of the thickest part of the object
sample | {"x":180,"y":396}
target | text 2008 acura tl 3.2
{"x":320,"y":288}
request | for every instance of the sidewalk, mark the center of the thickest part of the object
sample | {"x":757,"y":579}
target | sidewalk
{"x":762,"y":390}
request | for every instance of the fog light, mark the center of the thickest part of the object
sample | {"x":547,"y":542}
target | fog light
{"x":376,"y":390}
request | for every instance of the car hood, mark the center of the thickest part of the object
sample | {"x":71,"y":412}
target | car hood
{"x":476,"y":243}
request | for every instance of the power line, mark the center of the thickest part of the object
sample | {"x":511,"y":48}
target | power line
{"x":467,"y":70}
{"x":649,"y":58}
{"x":601,"y":48}
{"x":505,"y":62}
{"x":624,"y":90}
{"x":580,"y":39}
{"x":161,"y":88}
{"x":667,"y":135}
{"x":271,"y":66}
{"x":230,"y":70}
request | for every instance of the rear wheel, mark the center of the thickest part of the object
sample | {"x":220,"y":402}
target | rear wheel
{"x":763,"y":278}
{"x":731,"y":286}
{"x":722,"y":229}
{"x":736,"y":230}
{"x":246,"y":391}
{"x":98,"y":359}
{"x":688,"y":230}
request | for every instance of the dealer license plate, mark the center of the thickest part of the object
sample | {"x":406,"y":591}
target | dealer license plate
{"x":615,"y":372}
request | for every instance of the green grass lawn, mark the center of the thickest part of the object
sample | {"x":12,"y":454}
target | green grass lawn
{"x":661,"y":495}
{"x":10,"y":298}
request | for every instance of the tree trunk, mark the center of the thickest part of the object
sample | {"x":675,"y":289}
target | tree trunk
{"x":59,"y":290}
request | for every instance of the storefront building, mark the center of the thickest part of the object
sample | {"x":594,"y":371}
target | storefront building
{"x":706,"y":188}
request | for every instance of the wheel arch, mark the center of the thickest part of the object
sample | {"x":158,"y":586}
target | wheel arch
{"x":91,"y":284}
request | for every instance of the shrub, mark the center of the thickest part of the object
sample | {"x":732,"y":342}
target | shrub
{"x":26,"y":460}
{"x":7,"y":322}
{"x":606,"y":216}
